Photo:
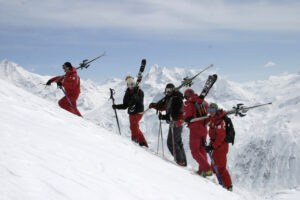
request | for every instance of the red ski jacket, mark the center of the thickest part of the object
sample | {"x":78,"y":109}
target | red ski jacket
{"x":190,"y":110}
{"x":217,"y":130}
{"x":70,"y":81}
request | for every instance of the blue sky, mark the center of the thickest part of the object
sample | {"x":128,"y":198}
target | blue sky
{"x":246,"y":40}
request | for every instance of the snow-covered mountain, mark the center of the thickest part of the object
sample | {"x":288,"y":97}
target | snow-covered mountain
{"x":265,"y":157}
{"x":47,"y":153}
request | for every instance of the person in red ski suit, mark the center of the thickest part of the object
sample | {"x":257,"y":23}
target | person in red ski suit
{"x":71,"y":82}
{"x":134,"y":101}
{"x":219,"y":148}
{"x":197,"y":107}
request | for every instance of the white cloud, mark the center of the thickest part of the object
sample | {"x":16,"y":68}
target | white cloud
{"x":270,"y":64}
{"x":153,"y":15}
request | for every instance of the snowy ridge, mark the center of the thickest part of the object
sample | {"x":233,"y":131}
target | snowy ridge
{"x":49,"y":153}
{"x":267,"y":139}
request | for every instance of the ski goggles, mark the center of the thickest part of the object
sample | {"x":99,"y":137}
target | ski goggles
{"x":211,"y":109}
{"x":130,"y":85}
{"x":168,"y":90}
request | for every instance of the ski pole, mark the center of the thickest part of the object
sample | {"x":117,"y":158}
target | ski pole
{"x":112,"y":91}
{"x":162,"y":141}
{"x":69,"y":100}
{"x":158,"y":136}
{"x":215,"y":167}
{"x":173,"y":138}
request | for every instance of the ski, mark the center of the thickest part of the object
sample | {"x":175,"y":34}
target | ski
{"x":238,"y":110}
{"x":140,"y":74}
{"x":208,"y":85}
{"x":187,"y":82}
{"x":85,"y":63}
{"x":112,"y":92}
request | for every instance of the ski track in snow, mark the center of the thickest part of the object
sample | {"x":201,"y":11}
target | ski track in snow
{"x":264,"y":159}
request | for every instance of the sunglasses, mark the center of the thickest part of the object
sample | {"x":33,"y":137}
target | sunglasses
{"x":211,"y":110}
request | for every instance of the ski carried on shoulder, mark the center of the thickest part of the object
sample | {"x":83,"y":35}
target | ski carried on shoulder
{"x":85,"y":63}
{"x":187,"y":82}
{"x":238,"y":110}
{"x":208,"y":85}
{"x":141,"y":71}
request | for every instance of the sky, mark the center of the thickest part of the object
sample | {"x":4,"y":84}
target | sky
{"x":245,"y":40}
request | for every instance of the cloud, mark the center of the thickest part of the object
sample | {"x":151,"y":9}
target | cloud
{"x":153,"y":15}
{"x":270,"y":64}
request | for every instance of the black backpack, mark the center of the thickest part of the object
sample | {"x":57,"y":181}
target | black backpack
{"x":230,"y":133}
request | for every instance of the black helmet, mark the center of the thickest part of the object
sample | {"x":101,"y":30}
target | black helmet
{"x":67,"y":65}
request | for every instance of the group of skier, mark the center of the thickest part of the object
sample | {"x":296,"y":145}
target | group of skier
{"x":178,"y":112}
{"x":195,"y":112}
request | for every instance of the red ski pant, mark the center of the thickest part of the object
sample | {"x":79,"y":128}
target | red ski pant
{"x":197,"y":141}
{"x":219,"y":156}
{"x":64,"y":103}
{"x":136,"y":133}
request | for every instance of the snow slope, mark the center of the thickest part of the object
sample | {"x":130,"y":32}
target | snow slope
{"x":48,"y":153}
{"x":265,"y":157}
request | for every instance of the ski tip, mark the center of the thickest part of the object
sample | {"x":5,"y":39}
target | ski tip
{"x":144,"y":62}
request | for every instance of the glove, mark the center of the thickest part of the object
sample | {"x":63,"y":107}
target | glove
{"x":152,"y":105}
{"x":114,"y":107}
{"x":59,"y":84}
{"x":49,"y":82}
{"x":162,"y":117}
{"x":188,"y":119}
{"x":209,"y":148}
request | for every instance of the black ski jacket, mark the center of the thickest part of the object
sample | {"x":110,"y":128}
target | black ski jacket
{"x":172,"y":105}
{"x":133,"y":101}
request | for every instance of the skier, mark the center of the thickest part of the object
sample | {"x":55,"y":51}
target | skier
{"x":173,"y":105}
{"x":134,"y":101}
{"x":71,"y":82}
{"x":219,"y":148}
{"x":197,"y":107}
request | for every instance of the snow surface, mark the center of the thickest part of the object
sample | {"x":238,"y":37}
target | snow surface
{"x":41,"y":156}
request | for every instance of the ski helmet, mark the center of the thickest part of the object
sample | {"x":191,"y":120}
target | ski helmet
{"x":188,"y":93}
{"x":130,"y":81}
{"x":67,"y":65}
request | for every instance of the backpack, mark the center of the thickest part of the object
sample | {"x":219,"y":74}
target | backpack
{"x":230,"y":132}
{"x":200,"y":109}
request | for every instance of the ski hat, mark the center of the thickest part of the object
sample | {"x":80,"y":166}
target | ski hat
{"x":213,"y":107}
{"x":130,"y":81}
{"x":188,"y":93}
{"x":170,"y":85}
{"x":67,"y":65}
